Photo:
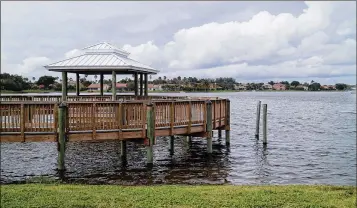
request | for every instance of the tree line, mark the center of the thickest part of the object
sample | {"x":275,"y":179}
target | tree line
{"x":13,"y":82}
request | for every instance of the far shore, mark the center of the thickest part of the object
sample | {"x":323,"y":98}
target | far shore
{"x":161,"y":91}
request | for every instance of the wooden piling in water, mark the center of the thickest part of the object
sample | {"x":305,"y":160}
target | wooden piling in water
{"x":228,"y":122}
{"x":265,"y":123}
{"x":209,"y":126}
{"x":150,"y":134}
{"x":61,"y":134}
{"x":219,"y":133}
{"x":258,"y":120}
{"x":171,"y":145}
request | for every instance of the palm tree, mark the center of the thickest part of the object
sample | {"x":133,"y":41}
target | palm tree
{"x":33,"y":78}
{"x":95,"y":77}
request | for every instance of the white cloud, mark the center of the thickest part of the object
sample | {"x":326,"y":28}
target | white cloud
{"x":238,"y":47}
{"x":318,"y":41}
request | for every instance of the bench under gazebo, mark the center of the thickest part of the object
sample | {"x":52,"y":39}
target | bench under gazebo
{"x":104,"y":59}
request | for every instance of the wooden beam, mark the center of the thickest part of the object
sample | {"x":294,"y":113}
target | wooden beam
{"x":146,"y":85}
{"x":101,"y":84}
{"x":136,"y":84}
{"x":77,"y":84}
{"x":64,"y":86}
{"x":114,"y":87}
{"x":141,"y":85}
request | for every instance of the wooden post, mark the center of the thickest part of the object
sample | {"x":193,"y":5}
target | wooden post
{"x":150,"y":132}
{"x":141,"y":85}
{"x":101,"y":84}
{"x":77,"y":84}
{"x":22,"y":120}
{"x":61,"y":134}
{"x":265,"y":124}
{"x":136,"y":84}
{"x":219,"y":133}
{"x":258,"y":120}
{"x":171,"y":145}
{"x":64,"y":86}
{"x":146,"y":85}
{"x":228,"y":122}
{"x":209,"y":126}
{"x":114,"y":87}
{"x":123,"y":150}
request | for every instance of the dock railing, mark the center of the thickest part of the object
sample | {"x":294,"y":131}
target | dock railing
{"x":37,"y":119}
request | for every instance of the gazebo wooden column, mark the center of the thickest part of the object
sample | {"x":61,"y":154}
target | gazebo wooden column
{"x":141,"y":85}
{"x":101,"y":84}
{"x":136,"y":84}
{"x":114,"y":85}
{"x":146,"y":85}
{"x":77,"y":84}
{"x":64,"y":86}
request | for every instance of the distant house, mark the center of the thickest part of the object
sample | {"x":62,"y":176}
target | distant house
{"x":41,"y":86}
{"x":152,"y":87}
{"x":96,"y":87}
{"x":302,"y":87}
{"x":279,"y":86}
{"x":121,"y":86}
{"x":267,"y":86}
{"x":214,"y":86}
{"x":240,"y":87}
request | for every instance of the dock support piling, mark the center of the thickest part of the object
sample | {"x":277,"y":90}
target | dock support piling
{"x":209,"y":126}
{"x":123,"y":150}
{"x":265,"y":124}
{"x":114,"y":85}
{"x":171,"y":145}
{"x":64,"y":86}
{"x":258,"y":120}
{"x":150,"y":134}
{"x":61,"y":134}
{"x":219,"y":133}
{"x":228,"y":122}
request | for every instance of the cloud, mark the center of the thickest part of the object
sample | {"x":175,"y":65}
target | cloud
{"x":244,"y":40}
{"x":290,"y":46}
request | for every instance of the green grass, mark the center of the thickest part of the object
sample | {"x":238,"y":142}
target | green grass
{"x":62,"y":195}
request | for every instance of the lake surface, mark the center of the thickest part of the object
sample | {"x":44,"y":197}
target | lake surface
{"x":311,"y":140}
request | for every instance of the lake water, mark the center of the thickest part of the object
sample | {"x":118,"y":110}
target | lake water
{"x":311,"y":140}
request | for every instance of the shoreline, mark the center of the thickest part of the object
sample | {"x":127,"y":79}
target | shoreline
{"x":71,"y":195}
{"x":183,"y":92}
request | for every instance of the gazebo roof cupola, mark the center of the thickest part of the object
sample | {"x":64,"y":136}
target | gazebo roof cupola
{"x":105,"y":48}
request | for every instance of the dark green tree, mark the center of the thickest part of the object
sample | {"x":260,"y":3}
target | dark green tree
{"x":46,"y":81}
{"x":341,"y":86}
{"x":295,"y":83}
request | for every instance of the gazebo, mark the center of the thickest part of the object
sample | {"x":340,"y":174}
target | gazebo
{"x":103,"y":58}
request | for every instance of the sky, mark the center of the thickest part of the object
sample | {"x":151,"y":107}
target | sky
{"x":249,"y":41}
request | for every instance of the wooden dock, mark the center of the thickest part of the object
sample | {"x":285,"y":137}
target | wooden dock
{"x":95,"y":118}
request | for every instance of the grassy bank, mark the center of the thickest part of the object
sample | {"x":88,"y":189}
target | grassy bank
{"x":55,"y":195}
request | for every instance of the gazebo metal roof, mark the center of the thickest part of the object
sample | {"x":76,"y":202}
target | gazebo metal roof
{"x":101,"y":58}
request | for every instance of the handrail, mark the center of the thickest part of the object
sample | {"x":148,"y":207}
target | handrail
{"x":34,"y":117}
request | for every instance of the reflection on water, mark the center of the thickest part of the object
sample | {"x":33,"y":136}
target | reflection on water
{"x":311,"y":139}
